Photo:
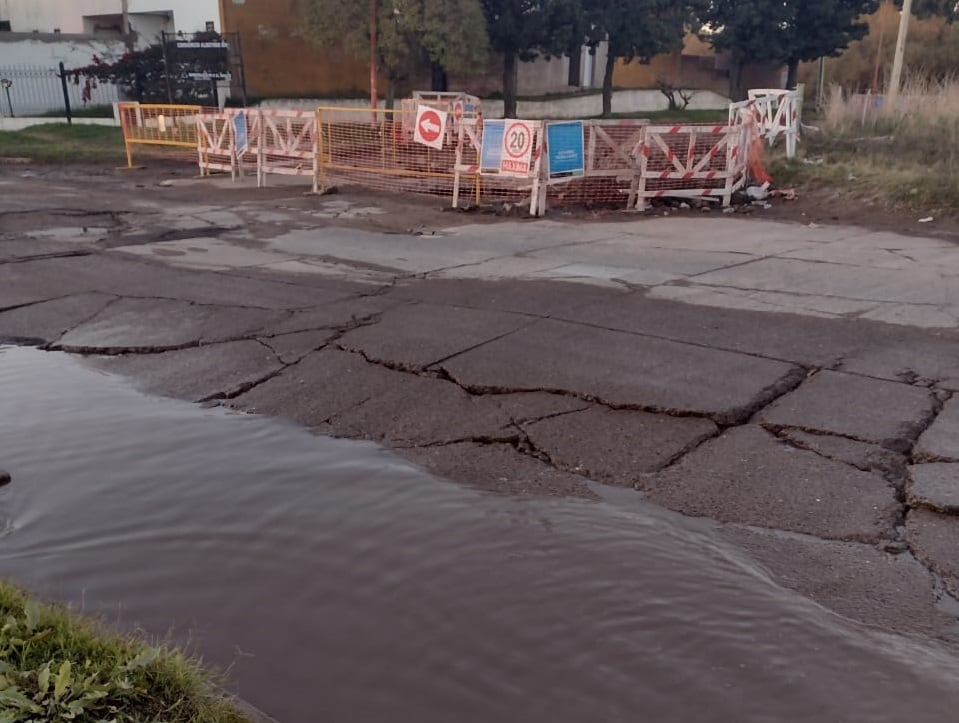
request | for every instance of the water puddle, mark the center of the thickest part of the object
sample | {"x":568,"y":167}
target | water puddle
{"x":343,"y":584}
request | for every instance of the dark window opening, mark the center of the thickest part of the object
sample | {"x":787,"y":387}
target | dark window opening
{"x":5,"y":26}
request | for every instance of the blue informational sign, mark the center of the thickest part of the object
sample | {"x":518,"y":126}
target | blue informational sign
{"x":564,"y":145}
{"x":240,"y":133}
{"x":491,"y":151}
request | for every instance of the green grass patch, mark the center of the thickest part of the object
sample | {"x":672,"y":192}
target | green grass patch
{"x":62,"y":143}
{"x":56,"y":666}
{"x":84,"y":111}
{"x":679,"y":116}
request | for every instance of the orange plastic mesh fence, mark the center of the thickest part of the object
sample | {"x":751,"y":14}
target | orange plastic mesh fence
{"x":375,"y":149}
{"x":167,"y":131}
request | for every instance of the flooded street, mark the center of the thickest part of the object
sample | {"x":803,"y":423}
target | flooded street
{"x":341,"y":583}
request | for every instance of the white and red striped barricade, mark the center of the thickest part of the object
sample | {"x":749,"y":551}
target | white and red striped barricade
{"x":776,"y":112}
{"x":225,"y":141}
{"x":286,"y":144}
{"x":690,"y":161}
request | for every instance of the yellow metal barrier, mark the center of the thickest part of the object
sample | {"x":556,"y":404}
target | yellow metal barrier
{"x":170,"y":126}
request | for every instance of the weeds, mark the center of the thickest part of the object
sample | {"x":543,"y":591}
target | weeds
{"x":62,"y":143}
{"x":906,"y":154}
{"x":57,"y":667}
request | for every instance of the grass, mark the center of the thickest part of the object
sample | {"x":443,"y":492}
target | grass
{"x":62,"y":143}
{"x":906,"y":155}
{"x":720,"y":115}
{"x":56,"y":666}
{"x":84,"y":111}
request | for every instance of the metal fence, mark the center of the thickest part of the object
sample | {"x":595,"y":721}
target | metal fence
{"x":34,"y":91}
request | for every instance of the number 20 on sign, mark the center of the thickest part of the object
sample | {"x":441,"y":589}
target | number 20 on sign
{"x":517,"y":149}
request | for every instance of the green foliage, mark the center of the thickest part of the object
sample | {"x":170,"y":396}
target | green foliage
{"x":525,"y":29}
{"x":56,"y":668}
{"x":948,"y":9}
{"x":782,"y":31}
{"x":410,"y":33}
{"x":61,"y":143}
{"x":637,"y":29}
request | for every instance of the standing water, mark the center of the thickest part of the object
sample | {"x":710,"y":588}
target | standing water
{"x":343,"y":584}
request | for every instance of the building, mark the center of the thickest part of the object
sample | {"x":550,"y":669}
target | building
{"x":103,"y":19}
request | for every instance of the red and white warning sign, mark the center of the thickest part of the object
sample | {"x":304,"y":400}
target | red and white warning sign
{"x":459,"y":110}
{"x":430,"y":127}
{"x":517,"y":153}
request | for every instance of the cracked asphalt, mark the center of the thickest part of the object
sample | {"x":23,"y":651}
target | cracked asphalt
{"x":794,"y":384}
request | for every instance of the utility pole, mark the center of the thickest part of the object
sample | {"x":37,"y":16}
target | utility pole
{"x":125,"y":24}
{"x":893,"y":92}
{"x":373,"y":63}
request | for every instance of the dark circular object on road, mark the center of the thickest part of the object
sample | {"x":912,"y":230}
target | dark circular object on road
{"x":5,"y":477}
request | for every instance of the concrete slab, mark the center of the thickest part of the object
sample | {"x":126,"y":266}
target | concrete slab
{"x":537,"y":298}
{"x":609,"y":274}
{"x":941,"y":440}
{"x":924,"y":286}
{"x":768,"y":301}
{"x":857,"y":581}
{"x":205,"y":253}
{"x":12,"y":249}
{"x":336,"y":315}
{"x":924,"y":316}
{"x":935,"y":486}
{"x":529,"y":406}
{"x":917,"y":358}
{"x":499,"y":468}
{"x":870,"y":410}
{"x":394,"y":252}
{"x":418,"y":411}
{"x":214,"y":371}
{"x":414,"y":336}
{"x":290,"y":348}
{"x":146,"y":325}
{"x":624,"y":370}
{"x":807,"y":341}
{"x":748,"y":476}
{"x":861,"y":455}
{"x":47,"y":321}
{"x":624,"y":252}
{"x":324,"y":384}
{"x":714,"y":233}
{"x":616,"y":446}
{"x":934,"y":539}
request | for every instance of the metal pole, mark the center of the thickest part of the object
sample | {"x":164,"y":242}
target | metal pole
{"x":166,"y":67}
{"x":896,"y":80}
{"x":821,"y":84}
{"x":373,"y":63}
{"x":125,"y":20}
{"x":66,"y":94}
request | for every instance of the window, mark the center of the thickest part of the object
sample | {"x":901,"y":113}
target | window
{"x":5,"y":26}
{"x":210,"y":26}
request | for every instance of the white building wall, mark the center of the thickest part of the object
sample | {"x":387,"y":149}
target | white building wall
{"x":45,"y":16}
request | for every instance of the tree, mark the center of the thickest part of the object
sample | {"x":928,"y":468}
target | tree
{"x":524,"y":29}
{"x":409,"y":34}
{"x":636,"y":30}
{"x":749,"y":30}
{"x":948,"y":9}
{"x":821,"y":28}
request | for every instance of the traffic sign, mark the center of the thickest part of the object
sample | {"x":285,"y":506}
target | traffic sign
{"x":458,"y":111}
{"x":517,"y":149}
{"x":564,"y":146}
{"x":430,"y":127}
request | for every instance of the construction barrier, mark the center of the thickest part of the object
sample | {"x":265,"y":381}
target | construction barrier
{"x":170,"y":127}
{"x":691,"y":161}
{"x":777,"y":113}
{"x":538,"y":164}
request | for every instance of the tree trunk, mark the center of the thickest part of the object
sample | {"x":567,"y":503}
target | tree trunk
{"x":574,"y":79}
{"x":736,"y":91}
{"x":608,"y":84}
{"x":510,"y":71}
{"x":792,"y":77}
{"x":439,"y":83}
{"x":390,"y":94}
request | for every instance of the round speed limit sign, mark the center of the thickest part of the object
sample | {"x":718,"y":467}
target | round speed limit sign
{"x":517,"y":149}
{"x":518,"y":139}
